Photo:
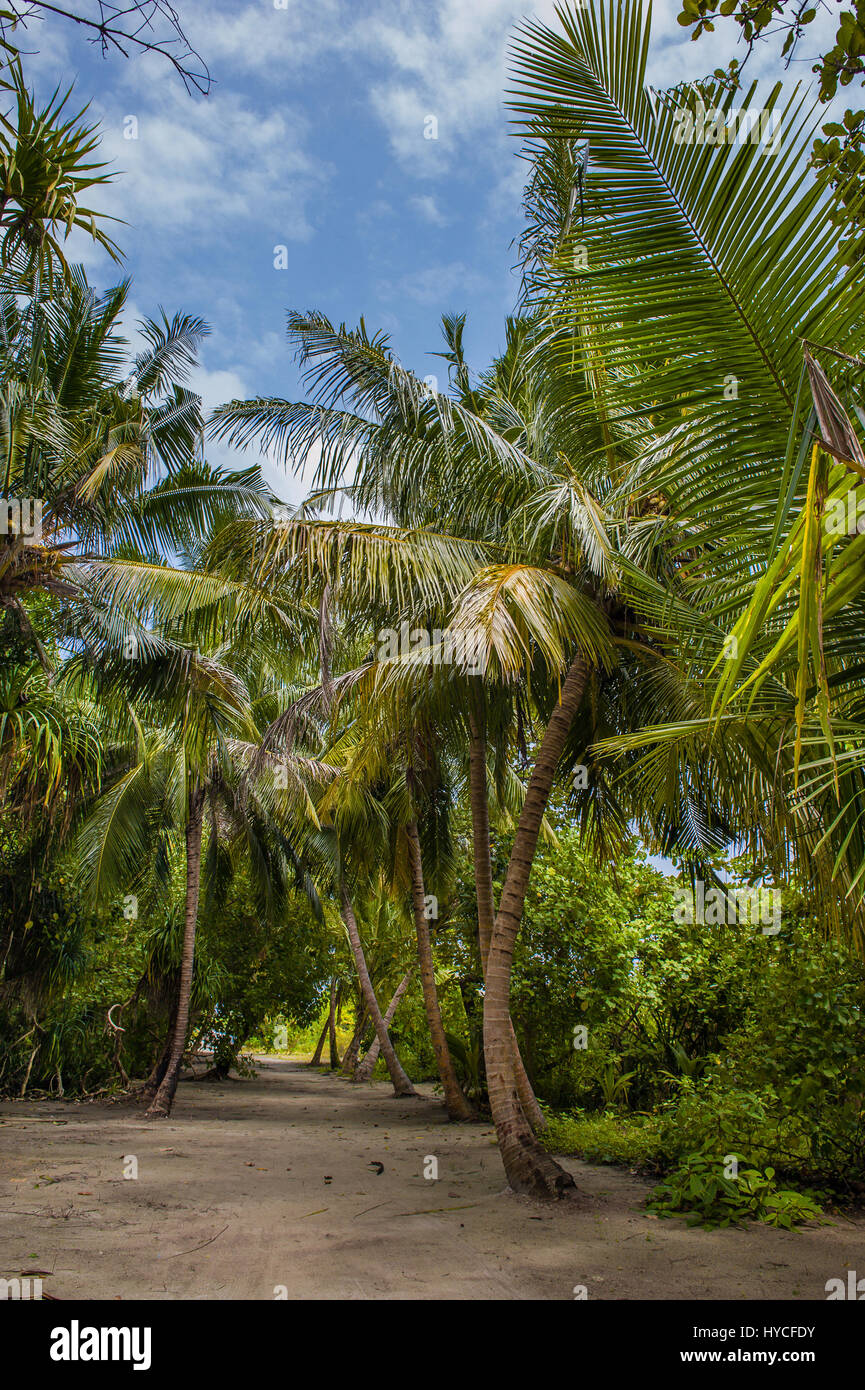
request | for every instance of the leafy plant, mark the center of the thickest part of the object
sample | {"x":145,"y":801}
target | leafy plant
{"x":700,"y":1191}
{"x":614,"y":1085}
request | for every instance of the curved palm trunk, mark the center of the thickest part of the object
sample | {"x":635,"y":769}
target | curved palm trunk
{"x":401,"y":1084}
{"x":349,"y":1061}
{"x":364,"y":1070}
{"x":315,"y":1059}
{"x":162,"y":1101}
{"x":160,"y":1066}
{"x":486,"y":900}
{"x":528,"y":1168}
{"x":456,"y":1104}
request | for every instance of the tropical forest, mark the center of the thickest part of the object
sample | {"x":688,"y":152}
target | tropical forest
{"x":432,"y":726}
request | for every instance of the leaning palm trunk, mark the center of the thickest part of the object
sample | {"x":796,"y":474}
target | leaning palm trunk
{"x":401,"y":1084}
{"x":315,"y":1059}
{"x":162,"y":1101}
{"x":528,"y":1167}
{"x":486,"y":901}
{"x":456,"y":1104}
{"x":160,"y":1066}
{"x":349,"y":1061}
{"x":363,"y":1071}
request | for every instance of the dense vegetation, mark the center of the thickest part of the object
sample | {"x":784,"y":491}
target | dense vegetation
{"x":383,"y":787}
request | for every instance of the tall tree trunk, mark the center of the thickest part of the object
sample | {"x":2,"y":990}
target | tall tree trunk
{"x":364,"y":1070}
{"x":401,"y":1084}
{"x":349,"y":1061}
{"x":456,"y":1104}
{"x":160,"y":1066}
{"x":480,"y":809}
{"x":316,"y":1058}
{"x":335,"y":992}
{"x":162,"y":1101}
{"x":528,"y":1167}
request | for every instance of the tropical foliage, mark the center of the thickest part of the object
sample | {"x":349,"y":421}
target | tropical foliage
{"x":412,"y":740}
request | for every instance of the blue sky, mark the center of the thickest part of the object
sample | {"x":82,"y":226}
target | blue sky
{"x":313,"y":139}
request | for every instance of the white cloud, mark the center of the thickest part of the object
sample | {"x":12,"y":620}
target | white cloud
{"x":378,"y":210}
{"x":263,"y":39}
{"x":219,"y":385}
{"x":438,"y":285}
{"x":201,"y":165}
{"x":451,"y":60}
{"x":427,"y":208}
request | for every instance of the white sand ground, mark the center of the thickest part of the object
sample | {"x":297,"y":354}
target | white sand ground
{"x":254,"y":1186}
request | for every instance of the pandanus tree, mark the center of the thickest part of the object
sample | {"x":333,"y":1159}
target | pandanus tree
{"x":109,"y":452}
{"x":46,"y":170}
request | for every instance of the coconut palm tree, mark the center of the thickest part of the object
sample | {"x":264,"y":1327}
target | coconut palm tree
{"x":404,"y":776}
{"x":196,"y":707}
{"x":109,"y":453}
{"x":591,"y":479}
{"x":744,"y":449}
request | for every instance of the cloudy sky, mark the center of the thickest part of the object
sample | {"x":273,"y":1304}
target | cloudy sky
{"x":313,"y":139}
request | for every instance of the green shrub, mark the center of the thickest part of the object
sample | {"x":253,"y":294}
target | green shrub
{"x":701,"y":1191}
{"x":632,"y":1140}
{"x":788,"y":1084}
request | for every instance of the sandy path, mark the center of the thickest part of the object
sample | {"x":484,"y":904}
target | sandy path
{"x":66,"y":1207}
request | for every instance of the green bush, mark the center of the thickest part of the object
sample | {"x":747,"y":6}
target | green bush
{"x":633,"y":1140}
{"x":788,"y":1085}
{"x":703,"y":1191}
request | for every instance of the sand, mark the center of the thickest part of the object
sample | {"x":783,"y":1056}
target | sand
{"x":269,"y":1187}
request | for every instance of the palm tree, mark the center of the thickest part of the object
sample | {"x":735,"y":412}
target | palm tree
{"x":111,"y":453}
{"x":402,"y":1086}
{"x":364,"y":1069}
{"x":725,"y":413}
{"x":590,"y":479}
{"x":196,"y":720}
{"x":457,"y":1106}
{"x":514,"y":595}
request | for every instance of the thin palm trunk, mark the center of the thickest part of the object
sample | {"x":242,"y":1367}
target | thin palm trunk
{"x":154,"y":1080}
{"x":456,"y":1104}
{"x":528,"y":1167}
{"x":364,"y":1070}
{"x":401,"y":1084}
{"x":480,"y":811}
{"x":162,"y":1101}
{"x":160,"y":1066}
{"x":331,"y":1024}
{"x":349,"y":1061}
{"x":315,"y":1059}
